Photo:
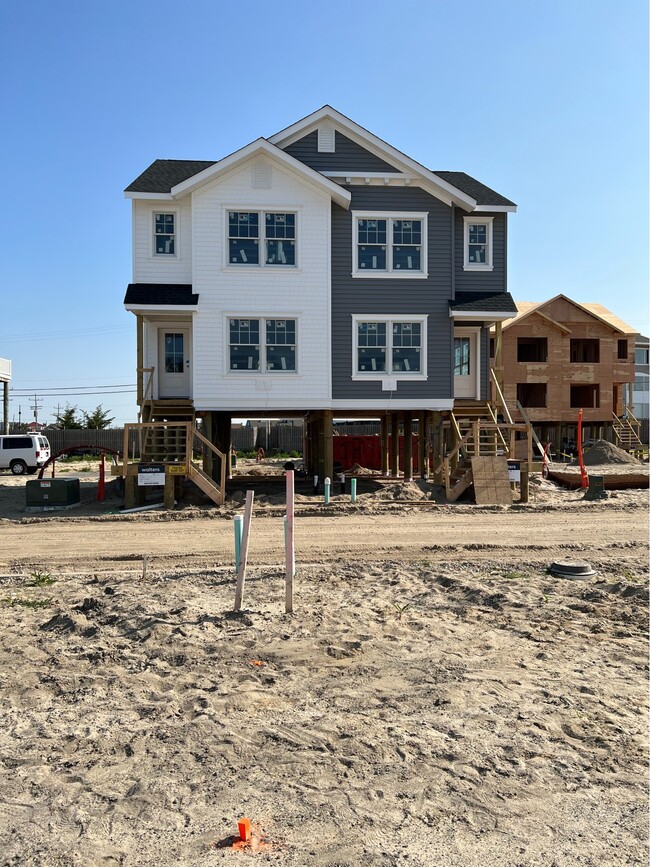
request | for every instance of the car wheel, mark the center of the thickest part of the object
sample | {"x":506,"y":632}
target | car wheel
{"x":18,"y":468}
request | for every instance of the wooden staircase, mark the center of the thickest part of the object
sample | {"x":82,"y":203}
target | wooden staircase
{"x":162,"y":442}
{"x":173,"y":442}
{"x":459,"y":479}
{"x":626,"y":430}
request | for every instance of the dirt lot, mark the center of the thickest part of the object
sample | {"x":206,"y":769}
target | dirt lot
{"x":436,"y":698}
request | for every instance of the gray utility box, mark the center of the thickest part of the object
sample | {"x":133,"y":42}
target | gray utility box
{"x":52,"y":492}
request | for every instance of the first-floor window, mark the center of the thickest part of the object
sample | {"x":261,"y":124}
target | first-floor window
{"x":389,"y":347}
{"x":262,"y":345}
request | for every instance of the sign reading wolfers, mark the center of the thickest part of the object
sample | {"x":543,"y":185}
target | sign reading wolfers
{"x":151,"y":474}
{"x":514,"y":471}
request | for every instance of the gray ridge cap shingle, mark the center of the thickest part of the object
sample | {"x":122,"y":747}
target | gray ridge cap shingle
{"x":467,"y":184}
{"x":484,"y":302}
{"x":162,"y":175}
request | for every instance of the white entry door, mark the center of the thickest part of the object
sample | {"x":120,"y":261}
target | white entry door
{"x":467,"y":363}
{"x":174,"y":362}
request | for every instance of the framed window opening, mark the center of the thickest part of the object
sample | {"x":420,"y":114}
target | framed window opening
{"x":390,"y":244}
{"x":585,"y":351}
{"x":478,"y":243}
{"x":165,"y":231}
{"x":532,"y":350}
{"x":531,"y":394}
{"x":262,"y":238}
{"x":622,"y":352}
{"x":585,"y":396}
{"x":262,"y":345}
{"x":392,"y":346}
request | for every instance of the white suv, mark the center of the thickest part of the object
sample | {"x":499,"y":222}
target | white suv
{"x":23,"y":453}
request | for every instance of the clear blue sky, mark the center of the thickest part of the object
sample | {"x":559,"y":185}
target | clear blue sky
{"x":545,"y":102}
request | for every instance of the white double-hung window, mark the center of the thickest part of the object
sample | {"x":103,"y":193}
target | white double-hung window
{"x":478,"y":243}
{"x":389,"y":346}
{"x":261,"y":238}
{"x":262,"y":345}
{"x":389,"y":245}
{"x":164,"y":234}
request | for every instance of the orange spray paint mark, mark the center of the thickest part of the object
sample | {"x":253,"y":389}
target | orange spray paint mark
{"x":257,"y":662}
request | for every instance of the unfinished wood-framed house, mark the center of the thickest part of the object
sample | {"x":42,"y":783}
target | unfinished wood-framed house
{"x":559,"y":357}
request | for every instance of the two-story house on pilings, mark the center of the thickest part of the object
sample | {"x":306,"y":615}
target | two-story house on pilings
{"x":560,"y":357}
{"x":319,"y":272}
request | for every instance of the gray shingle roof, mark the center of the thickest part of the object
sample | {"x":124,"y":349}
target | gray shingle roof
{"x":483,"y":302}
{"x":159,"y":294}
{"x":162,"y":175}
{"x":483,"y":195}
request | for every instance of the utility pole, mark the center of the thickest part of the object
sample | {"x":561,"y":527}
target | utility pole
{"x":35,"y":406}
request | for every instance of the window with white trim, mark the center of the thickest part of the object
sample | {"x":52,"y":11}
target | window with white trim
{"x":164,"y":234}
{"x":389,"y":244}
{"x":273,"y":233}
{"x":478,"y":243}
{"x":390,"y":347}
{"x":262,"y":345}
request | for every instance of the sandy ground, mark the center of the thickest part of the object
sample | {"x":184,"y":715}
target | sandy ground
{"x":436,"y":698}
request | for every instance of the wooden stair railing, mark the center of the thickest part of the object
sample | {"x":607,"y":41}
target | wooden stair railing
{"x":176,"y":440}
{"x":626,"y":429}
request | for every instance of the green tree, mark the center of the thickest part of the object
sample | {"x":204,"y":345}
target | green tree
{"x":68,"y":419}
{"x":97,"y":419}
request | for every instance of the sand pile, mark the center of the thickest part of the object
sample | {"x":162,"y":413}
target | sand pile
{"x":603,"y":452}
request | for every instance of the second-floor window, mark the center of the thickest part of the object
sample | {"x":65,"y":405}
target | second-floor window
{"x":262,"y":345}
{"x":164,"y":234}
{"x":266,"y":238}
{"x":389,"y":244}
{"x":478,"y":243}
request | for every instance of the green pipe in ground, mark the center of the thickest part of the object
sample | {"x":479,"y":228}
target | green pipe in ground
{"x":239,"y":530}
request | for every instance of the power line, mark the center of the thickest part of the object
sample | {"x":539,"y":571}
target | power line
{"x":72,"y":393}
{"x":76,"y":388}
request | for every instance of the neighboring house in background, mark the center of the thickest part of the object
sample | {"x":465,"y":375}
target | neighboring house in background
{"x":5,"y":379}
{"x":561,"y":356}
{"x":641,"y":399}
{"x":316,"y":273}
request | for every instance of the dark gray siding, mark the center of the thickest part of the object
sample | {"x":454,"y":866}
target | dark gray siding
{"x":477,"y":281}
{"x":348,"y":156}
{"x":393,"y":296}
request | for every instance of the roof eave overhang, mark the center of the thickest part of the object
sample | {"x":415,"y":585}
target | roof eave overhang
{"x":438,"y":187}
{"x":130,"y":194}
{"x":482,"y":315}
{"x":262,"y":146}
{"x":160,"y":308}
{"x":497,"y":209}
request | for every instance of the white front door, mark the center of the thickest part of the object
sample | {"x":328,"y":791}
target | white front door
{"x":173,"y":362}
{"x":467,"y":363}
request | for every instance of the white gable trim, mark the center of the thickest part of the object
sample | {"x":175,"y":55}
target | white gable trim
{"x":261,"y":146}
{"x":443,"y":190}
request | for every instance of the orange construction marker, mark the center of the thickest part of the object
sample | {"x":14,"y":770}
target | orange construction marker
{"x":244,"y":826}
